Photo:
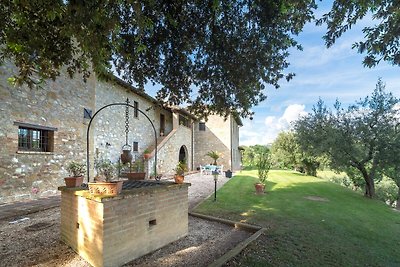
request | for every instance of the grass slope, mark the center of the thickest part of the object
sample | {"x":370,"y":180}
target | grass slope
{"x":345,"y":229}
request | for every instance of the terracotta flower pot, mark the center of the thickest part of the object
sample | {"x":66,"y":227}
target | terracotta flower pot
{"x":73,"y":181}
{"x":179,"y":179}
{"x":133,"y":176}
{"x":146,"y":156}
{"x":105,"y":188}
{"x":259,"y":188}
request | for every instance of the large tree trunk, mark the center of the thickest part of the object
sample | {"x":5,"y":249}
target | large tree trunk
{"x":369,"y":189}
{"x":369,"y":183}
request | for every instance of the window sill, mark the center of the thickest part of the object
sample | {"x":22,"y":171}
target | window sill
{"x":35,"y":152}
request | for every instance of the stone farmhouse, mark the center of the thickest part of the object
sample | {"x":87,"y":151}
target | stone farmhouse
{"x":43,"y":129}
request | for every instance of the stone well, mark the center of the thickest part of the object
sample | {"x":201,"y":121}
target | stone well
{"x":111,"y":231}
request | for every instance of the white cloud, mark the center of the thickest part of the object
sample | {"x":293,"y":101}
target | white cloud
{"x":293,"y":113}
{"x":270,"y":120}
{"x":265,"y":131}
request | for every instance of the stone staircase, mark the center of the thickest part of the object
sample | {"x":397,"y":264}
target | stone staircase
{"x":161,"y":141}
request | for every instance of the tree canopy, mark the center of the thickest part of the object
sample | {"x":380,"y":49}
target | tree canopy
{"x":229,"y":50}
{"x":390,"y":162}
{"x":251,"y":154}
{"x":382,"y":41}
{"x":357,"y":139}
{"x":215,"y":54}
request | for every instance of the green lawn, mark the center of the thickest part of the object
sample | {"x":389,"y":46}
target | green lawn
{"x":345,"y":229}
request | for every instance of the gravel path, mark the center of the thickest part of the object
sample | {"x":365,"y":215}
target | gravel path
{"x":201,"y":187}
{"x":41,"y":246}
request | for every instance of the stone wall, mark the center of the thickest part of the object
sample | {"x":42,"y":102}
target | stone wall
{"x":216,"y":137}
{"x":114,"y":231}
{"x":168,"y":152}
{"x":60,"y":104}
{"x":109,"y":124}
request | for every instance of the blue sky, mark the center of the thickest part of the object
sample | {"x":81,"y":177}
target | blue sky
{"x":329,"y":74}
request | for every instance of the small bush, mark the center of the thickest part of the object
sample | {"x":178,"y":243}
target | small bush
{"x":386,"y":190}
{"x":76,"y":169}
{"x":343,"y":180}
{"x":264,"y":164}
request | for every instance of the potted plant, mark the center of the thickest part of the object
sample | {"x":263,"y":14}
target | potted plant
{"x":214,"y":155}
{"x":121,"y":167}
{"x":264,"y":164}
{"x":105,"y":185}
{"x":146,"y":154}
{"x":76,"y":171}
{"x":138,"y":171}
{"x":180,"y":170}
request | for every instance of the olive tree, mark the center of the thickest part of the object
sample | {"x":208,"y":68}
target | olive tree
{"x":264,"y":164}
{"x":355,"y":139}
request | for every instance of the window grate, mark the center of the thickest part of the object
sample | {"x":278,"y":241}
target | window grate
{"x":30,"y":139}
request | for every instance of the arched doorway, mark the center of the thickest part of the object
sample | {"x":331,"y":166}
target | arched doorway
{"x":183,"y":154}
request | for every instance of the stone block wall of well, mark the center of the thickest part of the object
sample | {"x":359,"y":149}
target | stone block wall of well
{"x":82,"y":226}
{"x":115,"y":231}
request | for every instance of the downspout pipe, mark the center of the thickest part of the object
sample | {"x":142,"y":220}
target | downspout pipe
{"x":231,"y":123}
{"x":192,"y":145}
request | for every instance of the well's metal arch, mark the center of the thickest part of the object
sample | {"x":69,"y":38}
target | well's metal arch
{"x":88,"y":136}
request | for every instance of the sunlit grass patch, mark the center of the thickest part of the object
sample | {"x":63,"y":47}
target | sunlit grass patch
{"x":310,"y":222}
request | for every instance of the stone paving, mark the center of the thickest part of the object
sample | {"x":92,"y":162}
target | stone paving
{"x":201,"y":187}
